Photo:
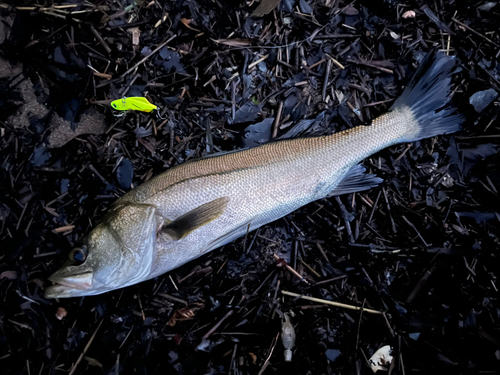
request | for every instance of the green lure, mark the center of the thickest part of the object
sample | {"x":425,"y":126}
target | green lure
{"x":134,"y":103}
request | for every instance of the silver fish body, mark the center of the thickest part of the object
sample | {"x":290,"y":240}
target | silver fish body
{"x":199,"y":206}
{"x":261,"y":185}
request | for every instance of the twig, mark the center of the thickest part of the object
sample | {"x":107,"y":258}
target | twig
{"x":480,"y":137}
{"x":126,"y":337}
{"x":233,"y":358}
{"x":290,"y":268}
{"x":470,"y":268}
{"x":257,"y":62}
{"x":374,"y":207}
{"x":366,"y":200}
{"x":335,"y":61}
{"x":173,"y":283}
{"x":82,"y":354}
{"x":345,"y":216}
{"x":391,"y":331}
{"x":22,"y":215}
{"x":247,"y":250}
{"x":337,"y":36}
{"x":327,"y":77}
{"x":388,"y":206}
{"x":117,"y":364}
{"x":365,"y":63}
{"x":320,"y":248}
{"x":408,"y":146}
{"x":124,"y":90}
{"x":326,"y":302}
{"x":100,"y":39}
{"x":262,"y":284}
{"x":474,"y":31}
{"x":415,"y":229}
{"x":359,"y":326}
{"x":64,"y":6}
{"x":420,"y":284}
{"x":150,"y":55}
{"x":317,"y":63}
{"x":140,"y":305}
{"x":92,"y":168}
{"x":378,"y":103}
{"x":233,"y":99}
{"x":65,"y":228}
{"x":172,"y":298}
{"x":359,"y":88}
{"x":266,"y":363}
{"x":277,"y":120}
{"x":246,"y":236}
{"x":285,"y":64}
{"x":214,"y":328}
{"x":310,"y":268}
{"x":330,"y":280}
{"x":356,"y":111}
{"x":207,"y":123}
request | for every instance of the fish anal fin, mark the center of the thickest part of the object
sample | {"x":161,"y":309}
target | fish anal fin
{"x":356,"y":180}
{"x":196,"y":218}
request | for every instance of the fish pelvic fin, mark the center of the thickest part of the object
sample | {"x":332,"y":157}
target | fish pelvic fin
{"x":196,"y":218}
{"x":427,"y":96}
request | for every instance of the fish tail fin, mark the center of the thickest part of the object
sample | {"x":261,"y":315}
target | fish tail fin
{"x":427,"y":96}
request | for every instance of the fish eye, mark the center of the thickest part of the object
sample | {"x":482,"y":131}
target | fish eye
{"x":79,"y":254}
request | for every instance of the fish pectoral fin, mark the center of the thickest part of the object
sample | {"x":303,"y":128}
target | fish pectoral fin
{"x":194,"y":219}
{"x":356,"y":180}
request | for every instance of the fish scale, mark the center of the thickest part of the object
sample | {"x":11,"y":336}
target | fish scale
{"x":280,"y":177}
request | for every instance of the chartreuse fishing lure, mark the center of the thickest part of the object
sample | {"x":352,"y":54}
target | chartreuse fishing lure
{"x":134,"y":103}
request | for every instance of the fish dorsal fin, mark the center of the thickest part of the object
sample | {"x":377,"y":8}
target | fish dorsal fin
{"x":356,"y":180}
{"x":194,"y":219}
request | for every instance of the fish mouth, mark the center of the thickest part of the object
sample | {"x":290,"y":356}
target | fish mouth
{"x":69,"y":286}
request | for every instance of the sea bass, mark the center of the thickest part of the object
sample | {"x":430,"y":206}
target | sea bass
{"x":201,"y":205}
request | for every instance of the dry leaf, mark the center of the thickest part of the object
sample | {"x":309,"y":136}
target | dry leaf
{"x":265,"y":7}
{"x":11,"y":275}
{"x":187,"y":23}
{"x":185,"y":313}
{"x":93,"y":362}
{"x":253,"y":356}
{"x":381,"y":359}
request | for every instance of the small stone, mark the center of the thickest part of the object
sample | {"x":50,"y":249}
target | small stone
{"x":409,"y":14}
{"x":332,"y":354}
{"x":482,"y":99}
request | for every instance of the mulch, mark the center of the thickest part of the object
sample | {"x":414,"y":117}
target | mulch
{"x":422,"y":248}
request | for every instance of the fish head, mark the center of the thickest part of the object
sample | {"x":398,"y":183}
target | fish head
{"x":118,"y":252}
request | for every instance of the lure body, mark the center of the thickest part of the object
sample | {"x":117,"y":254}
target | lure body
{"x":133,"y":103}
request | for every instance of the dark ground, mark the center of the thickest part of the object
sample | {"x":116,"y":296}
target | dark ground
{"x":426,"y":241}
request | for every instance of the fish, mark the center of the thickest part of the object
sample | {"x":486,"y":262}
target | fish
{"x":196,"y":207}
